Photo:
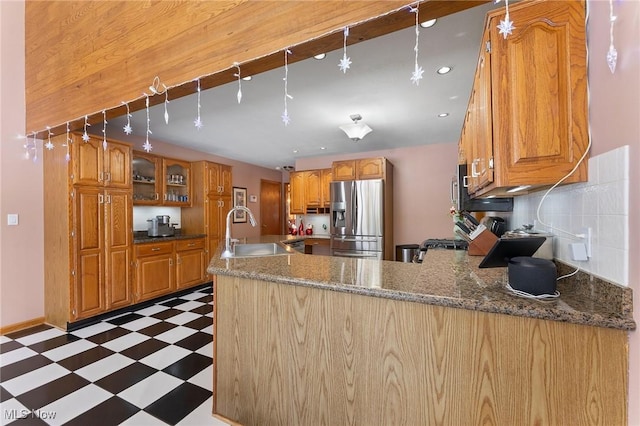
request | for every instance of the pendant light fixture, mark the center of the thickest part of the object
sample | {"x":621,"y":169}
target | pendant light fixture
{"x":356,"y":131}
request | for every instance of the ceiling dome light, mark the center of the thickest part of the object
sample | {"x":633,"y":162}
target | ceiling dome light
{"x":443,"y":70}
{"x":428,"y":24}
{"x":320,"y":56}
{"x":356,"y":131}
{"x":443,"y":114}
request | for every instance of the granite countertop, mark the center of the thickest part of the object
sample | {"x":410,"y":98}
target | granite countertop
{"x":445,"y":278}
{"x":141,"y":237}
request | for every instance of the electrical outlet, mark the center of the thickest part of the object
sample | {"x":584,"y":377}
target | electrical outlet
{"x":587,"y":240}
{"x":578,"y":251}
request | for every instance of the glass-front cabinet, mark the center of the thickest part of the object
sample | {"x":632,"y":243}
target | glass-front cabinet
{"x":160,"y":181}
{"x":146,"y":176}
{"x":177,"y":182}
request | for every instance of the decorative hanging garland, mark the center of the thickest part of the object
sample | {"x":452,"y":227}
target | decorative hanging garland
{"x":416,"y":75}
{"x":612,"y":54}
{"x":506,"y":26}
{"x":147,"y":146}
{"x":198,"y":121}
{"x":237,"y":74}
{"x":285,"y":115}
{"x":68,"y":145}
{"x":104,"y":129}
{"x":127,"y":127}
{"x":85,"y":135}
{"x":49,"y":144}
{"x":345,"y":62}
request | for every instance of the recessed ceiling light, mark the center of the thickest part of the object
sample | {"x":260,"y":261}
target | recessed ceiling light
{"x":295,"y":151}
{"x":322,"y":148}
{"x":443,"y":70}
{"x":428,"y":24}
{"x":247,"y":78}
{"x":443,"y":114}
{"x":320,"y":56}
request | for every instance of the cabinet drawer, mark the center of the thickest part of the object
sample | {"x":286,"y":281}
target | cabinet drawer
{"x":196,"y":243}
{"x":152,"y":249}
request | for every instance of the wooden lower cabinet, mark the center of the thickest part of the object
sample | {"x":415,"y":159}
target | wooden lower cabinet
{"x":164,"y":267}
{"x":295,"y":355}
{"x":190,"y":263}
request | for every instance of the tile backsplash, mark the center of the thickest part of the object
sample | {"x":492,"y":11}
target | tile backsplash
{"x":601,"y":204}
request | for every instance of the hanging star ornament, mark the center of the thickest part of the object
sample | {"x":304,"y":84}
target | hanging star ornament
{"x":147,"y":146}
{"x":416,"y":76}
{"x":285,"y":117}
{"x":85,"y":135}
{"x":345,"y":63}
{"x":506,"y":26}
{"x":127,"y":127}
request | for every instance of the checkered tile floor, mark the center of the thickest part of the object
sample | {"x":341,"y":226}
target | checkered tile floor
{"x":148,"y":367}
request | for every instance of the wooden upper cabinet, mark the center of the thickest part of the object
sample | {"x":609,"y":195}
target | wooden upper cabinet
{"x":94,"y":165}
{"x":538,"y":102}
{"x":344,"y":170}
{"x":176,"y":178}
{"x":327,"y":178}
{"x":313,"y":188}
{"x":365,"y":168}
{"x":297,"y":201}
{"x":147,"y":179}
{"x":220,"y":176}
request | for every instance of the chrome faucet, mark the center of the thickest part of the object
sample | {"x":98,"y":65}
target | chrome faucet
{"x":227,"y":236}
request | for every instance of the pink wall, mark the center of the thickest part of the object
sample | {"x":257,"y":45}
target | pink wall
{"x":21,"y":247}
{"x":615,"y":121}
{"x":421,"y":183}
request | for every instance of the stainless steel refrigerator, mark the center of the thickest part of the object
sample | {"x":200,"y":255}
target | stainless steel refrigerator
{"x":357,"y":218}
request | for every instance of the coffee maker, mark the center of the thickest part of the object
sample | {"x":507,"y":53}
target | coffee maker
{"x":160,"y":226}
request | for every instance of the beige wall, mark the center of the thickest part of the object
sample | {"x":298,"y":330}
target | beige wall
{"x":615,"y":121}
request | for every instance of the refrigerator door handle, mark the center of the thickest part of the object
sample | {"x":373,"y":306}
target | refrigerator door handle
{"x":354,"y":206}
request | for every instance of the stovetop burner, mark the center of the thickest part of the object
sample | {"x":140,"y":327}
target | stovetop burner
{"x":444,"y":243}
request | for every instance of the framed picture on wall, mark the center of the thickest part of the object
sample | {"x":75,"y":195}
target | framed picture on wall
{"x":239,"y":199}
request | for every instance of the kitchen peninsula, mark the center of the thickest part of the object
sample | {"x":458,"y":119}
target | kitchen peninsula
{"x":303,"y":339}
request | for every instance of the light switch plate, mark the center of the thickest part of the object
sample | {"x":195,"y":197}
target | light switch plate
{"x":12,"y":219}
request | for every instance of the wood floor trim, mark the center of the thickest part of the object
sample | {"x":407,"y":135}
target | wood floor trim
{"x":21,"y":325}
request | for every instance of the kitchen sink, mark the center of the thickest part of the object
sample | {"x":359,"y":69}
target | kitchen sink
{"x":258,"y":250}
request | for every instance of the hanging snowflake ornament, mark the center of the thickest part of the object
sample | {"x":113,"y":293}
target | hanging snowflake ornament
{"x":49,"y":144}
{"x":104,"y":129}
{"x":506,"y":25}
{"x":147,"y":146}
{"x":285,"y":115}
{"x":416,"y":75}
{"x":85,"y":135}
{"x":345,"y":62}
{"x":237,"y":65}
{"x":127,"y":127}
{"x":612,"y":54}
{"x":198,"y":121}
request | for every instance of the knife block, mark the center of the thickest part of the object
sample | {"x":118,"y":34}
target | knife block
{"x":481,"y":245}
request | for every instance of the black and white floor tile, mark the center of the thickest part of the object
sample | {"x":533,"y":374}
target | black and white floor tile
{"x":152,"y":366}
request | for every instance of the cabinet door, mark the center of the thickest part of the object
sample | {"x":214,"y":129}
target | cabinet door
{"x":313,"y":188}
{"x":344,"y":170}
{"x":327,"y":177}
{"x":89,"y":295}
{"x":540,"y":97}
{"x":88,"y":168}
{"x":225,"y":179}
{"x":190,"y":268}
{"x":176,"y":182}
{"x":147,"y":179}
{"x":117,"y":165}
{"x":118,"y":250}
{"x":155,"y":276}
{"x":296,"y":181}
{"x":370,"y":168}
